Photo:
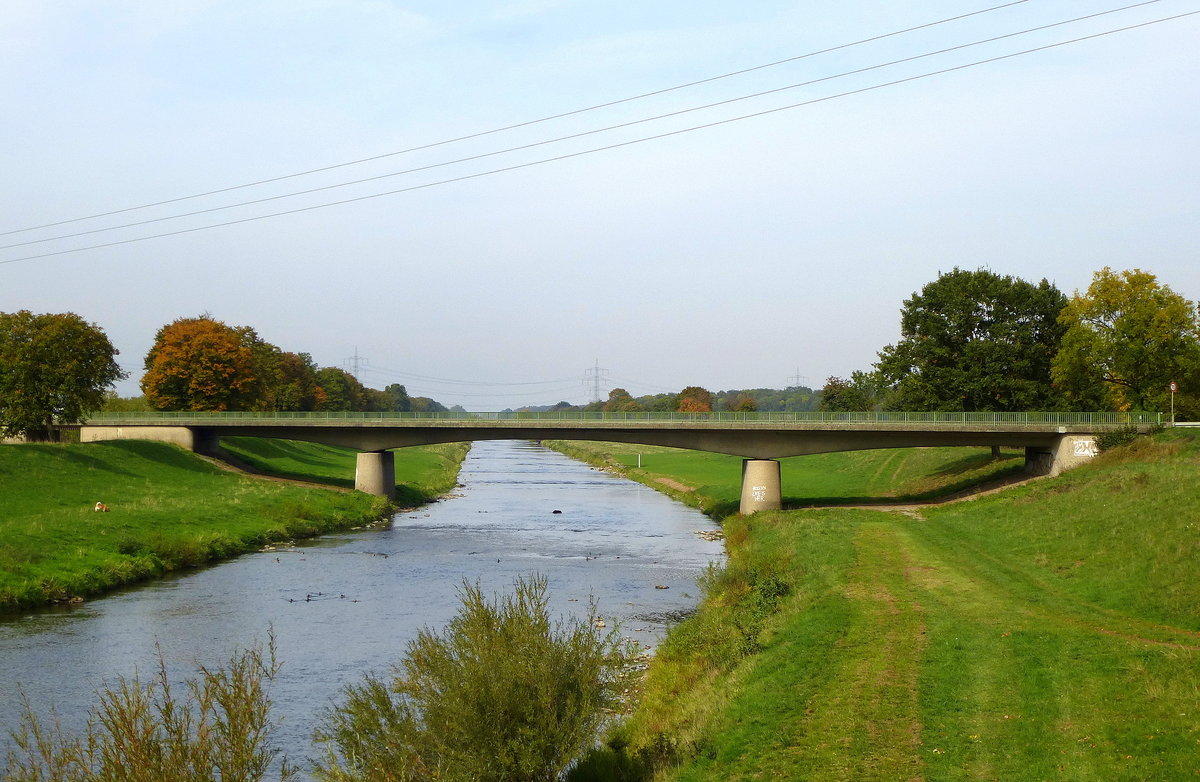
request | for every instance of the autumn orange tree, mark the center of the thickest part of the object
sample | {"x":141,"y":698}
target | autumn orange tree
{"x":695,"y":399}
{"x":202,"y":364}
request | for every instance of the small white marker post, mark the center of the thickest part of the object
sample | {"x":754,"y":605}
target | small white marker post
{"x":1174,"y":388}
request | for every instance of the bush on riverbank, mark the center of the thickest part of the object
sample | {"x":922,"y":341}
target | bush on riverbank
{"x":170,"y":510}
{"x":143,"y":731}
{"x":503,"y":693}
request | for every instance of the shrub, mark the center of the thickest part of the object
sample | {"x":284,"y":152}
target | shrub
{"x":1114,"y":438}
{"x":144,"y":732}
{"x":502,"y":694}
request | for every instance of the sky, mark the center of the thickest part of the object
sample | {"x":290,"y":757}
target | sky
{"x":765,"y":242}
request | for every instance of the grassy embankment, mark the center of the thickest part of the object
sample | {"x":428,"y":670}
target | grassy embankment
{"x":711,"y":481}
{"x":170,"y":510}
{"x":1049,"y":631}
{"x":422,"y":473}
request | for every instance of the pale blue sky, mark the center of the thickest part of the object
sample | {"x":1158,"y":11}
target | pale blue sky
{"x":732,"y":257}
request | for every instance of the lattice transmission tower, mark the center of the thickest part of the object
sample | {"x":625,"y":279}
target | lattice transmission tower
{"x":594,"y":376}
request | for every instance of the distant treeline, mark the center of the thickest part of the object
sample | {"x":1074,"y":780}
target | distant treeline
{"x":699,"y":400}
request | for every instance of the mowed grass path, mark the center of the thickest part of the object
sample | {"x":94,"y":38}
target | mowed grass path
{"x":1047,"y":632}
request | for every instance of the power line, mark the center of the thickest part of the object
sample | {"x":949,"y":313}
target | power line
{"x":571,"y":136}
{"x":396,"y":372}
{"x":609,"y":147}
{"x":523,"y":124}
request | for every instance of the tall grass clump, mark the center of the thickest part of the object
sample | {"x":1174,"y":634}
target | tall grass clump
{"x":503,"y":693}
{"x":219,"y":728}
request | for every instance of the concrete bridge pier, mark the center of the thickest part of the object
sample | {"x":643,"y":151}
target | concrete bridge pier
{"x":375,"y":473}
{"x":760,"y":485}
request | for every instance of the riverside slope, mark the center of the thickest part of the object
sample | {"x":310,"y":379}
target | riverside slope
{"x":1048,"y":631}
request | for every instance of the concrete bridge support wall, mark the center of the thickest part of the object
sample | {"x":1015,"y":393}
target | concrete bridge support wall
{"x":1069,"y":450}
{"x":761,"y":488}
{"x":176,"y":435}
{"x":375,"y":473}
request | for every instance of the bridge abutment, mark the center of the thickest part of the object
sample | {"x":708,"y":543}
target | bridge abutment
{"x":1066,"y":452}
{"x":176,"y":435}
{"x":375,"y":473}
{"x":761,"y":487}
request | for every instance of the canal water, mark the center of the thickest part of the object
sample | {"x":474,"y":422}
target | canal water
{"x":345,"y":605}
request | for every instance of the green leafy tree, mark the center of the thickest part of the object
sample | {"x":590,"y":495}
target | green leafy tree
{"x":504,"y":693}
{"x":54,"y":368}
{"x":976,"y":340}
{"x":342,"y":390}
{"x":399,"y":396}
{"x":1127,"y":338}
{"x":113,"y":403}
{"x":423,"y":404}
{"x":621,"y":401}
{"x":296,"y":387}
{"x":862,"y":392}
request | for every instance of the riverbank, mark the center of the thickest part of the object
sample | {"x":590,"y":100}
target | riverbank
{"x":168,"y":510}
{"x":1048,"y":631}
{"x":711,"y":481}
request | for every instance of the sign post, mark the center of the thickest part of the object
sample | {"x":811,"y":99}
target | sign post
{"x":1174,"y":388}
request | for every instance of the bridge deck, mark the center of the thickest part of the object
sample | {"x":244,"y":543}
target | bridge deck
{"x":752,"y":435}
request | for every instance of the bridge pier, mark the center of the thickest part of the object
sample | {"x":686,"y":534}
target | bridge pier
{"x":760,"y":486}
{"x":375,"y":473}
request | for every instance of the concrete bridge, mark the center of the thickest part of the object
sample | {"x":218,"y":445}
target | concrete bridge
{"x":1052,"y":441}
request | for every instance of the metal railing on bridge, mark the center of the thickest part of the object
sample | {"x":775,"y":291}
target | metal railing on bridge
{"x":813,"y":417}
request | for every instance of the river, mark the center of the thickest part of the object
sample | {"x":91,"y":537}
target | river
{"x":344,"y":605}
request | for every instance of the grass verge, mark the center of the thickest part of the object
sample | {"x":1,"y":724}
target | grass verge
{"x":423,"y":473}
{"x":711,"y":481}
{"x":1048,"y":631}
{"x":170,"y":510}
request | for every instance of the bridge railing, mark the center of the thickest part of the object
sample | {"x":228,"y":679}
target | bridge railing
{"x":815,"y":417}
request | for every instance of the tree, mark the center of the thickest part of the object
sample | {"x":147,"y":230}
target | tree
{"x":423,"y":404}
{"x":399,"y":396}
{"x":202,"y":364}
{"x":503,"y":693}
{"x":695,"y":399}
{"x":863,"y":391}
{"x":621,"y":401}
{"x":976,"y":340}
{"x":296,"y":386}
{"x":1126,"y":340}
{"x":54,"y":368}
{"x":342,"y":390}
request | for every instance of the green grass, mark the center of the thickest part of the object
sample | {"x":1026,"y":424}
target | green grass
{"x":1049,"y":631}
{"x":422,"y":473}
{"x":170,"y":510}
{"x":711,"y":481}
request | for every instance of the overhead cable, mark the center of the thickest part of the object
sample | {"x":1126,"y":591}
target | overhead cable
{"x":580,"y":134}
{"x":518,"y":125}
{"x":618,"y":145}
